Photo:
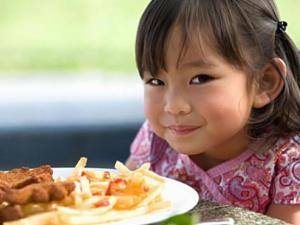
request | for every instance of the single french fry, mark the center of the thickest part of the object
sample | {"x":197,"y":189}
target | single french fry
{"x":85,"y":187}
{"x":77,"y":195}
{"x":145,"y":166}
{"x":151,"y":196}
{"x":75,"y":175}
{"x":122,"y":168}
{"x":152,"y":175}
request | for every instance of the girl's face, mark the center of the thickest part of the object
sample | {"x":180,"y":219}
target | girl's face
{"x":199,"y":105}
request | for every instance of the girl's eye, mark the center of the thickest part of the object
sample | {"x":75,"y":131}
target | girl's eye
{"x":155,"y":82}
{"x":201,"y":79}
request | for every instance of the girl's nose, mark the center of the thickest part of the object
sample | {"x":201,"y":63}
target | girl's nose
{"x":177,"y":103}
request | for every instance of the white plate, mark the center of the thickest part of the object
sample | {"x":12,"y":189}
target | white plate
{"x":182,"y":196}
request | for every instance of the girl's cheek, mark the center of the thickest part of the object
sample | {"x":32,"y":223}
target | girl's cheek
{"x":153,"y":105}
{"x":153,"y":97}
{"x":149,"y":109}
{"x":153,"y":102}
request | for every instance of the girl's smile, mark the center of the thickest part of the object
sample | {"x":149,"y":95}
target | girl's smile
{"x":182,"y":130}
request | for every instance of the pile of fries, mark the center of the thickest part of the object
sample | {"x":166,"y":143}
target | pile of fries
{"x":102,"y":197}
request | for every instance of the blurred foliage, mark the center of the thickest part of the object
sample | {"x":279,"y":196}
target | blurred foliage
{"x":183,"y":219}
{"x":69,"y":34}
{"x":81,"y":35}
{"x":289,"y":11}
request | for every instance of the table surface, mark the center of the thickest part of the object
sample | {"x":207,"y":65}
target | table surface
{"x":209,"y":210}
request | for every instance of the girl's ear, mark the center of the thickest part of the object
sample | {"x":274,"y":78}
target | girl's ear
{"x":271,"y":83}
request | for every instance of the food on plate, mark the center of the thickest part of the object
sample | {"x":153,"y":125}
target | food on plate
{"x":21,"y":177}
{"x":38,"y":193}
{"x":23,"y":186}
{"x":99,"y":196}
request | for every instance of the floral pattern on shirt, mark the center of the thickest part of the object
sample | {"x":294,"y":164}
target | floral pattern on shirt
{"x":252,"y":180}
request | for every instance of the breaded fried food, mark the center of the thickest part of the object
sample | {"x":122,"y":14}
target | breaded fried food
{"x":21,"y":177}
{"x":39,"y":193}
{"x":23,"y":185}
{"x":11,"y":213}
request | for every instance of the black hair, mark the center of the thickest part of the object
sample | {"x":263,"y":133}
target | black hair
{"x":245,"y":33}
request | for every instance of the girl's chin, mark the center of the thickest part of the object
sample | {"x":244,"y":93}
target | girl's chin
{"x":189,"y":153}
{"x":184,"y":150}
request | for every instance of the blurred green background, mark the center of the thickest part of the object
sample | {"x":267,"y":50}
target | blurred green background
{"x":82,"y":35}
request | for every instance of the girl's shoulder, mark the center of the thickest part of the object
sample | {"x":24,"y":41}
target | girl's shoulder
{"x":288,"y":154}
{"x":141,"y":145}
{"x":287,"y":150}
{"x":283,"y":154}
{"x":286,"y":179}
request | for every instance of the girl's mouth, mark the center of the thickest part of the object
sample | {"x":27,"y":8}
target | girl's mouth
{"x":182,"y":130}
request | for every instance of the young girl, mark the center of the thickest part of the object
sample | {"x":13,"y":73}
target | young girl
{"x":222,"y":102}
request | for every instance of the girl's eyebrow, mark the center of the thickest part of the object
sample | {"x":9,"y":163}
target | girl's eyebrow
{"x":198,"y":63}
{"x":147,"y":74}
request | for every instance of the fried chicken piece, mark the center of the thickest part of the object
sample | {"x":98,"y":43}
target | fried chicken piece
{"x":21,"y":177}
{"x":23,"y":185}
{"x":38,"y":193}
{"x":8,"y":213}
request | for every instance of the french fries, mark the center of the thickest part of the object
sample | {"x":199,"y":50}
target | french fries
{"x":76,"y":174}
{"x":104,"y":196}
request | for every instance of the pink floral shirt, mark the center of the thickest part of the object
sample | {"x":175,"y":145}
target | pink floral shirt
{"x":252,"y":180}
